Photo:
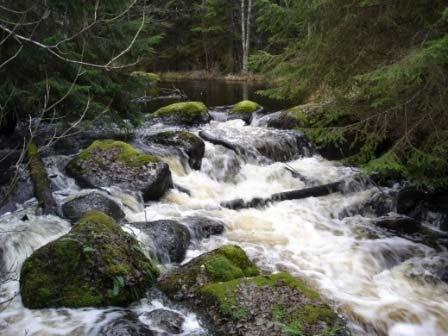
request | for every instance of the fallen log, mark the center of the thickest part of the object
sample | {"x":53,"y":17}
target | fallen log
{"x":41,"y":182}
{"x":317,"y":191}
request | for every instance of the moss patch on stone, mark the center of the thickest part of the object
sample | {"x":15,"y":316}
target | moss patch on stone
{"x":245,"y":106}
{"x":308,"y":316}
{"x":95,"y":264}
{"x":184,"y":109}
{"x":125,"y":153}
{"x":223,"y":264}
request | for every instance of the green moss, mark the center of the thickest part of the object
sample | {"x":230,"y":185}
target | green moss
{"x":282,"y":279}
{"x":225,"y":295}
{"x":188,"y":109}
{"x":95,"y":264}
{"x":245,"y":106}
{"x":223,"y":264}
{"x":222,"y":269}
{"x":306,"y":319}
{"x":126,"y":153}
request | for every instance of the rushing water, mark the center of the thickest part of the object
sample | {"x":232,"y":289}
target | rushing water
{"x":383,"y":284}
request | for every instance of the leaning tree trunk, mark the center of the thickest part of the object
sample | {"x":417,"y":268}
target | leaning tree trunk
{"x":41,"y":182}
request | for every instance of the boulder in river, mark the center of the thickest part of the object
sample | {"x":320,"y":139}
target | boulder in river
{"x":95,"y":264}
{"x":171,"y":239}
{"x":244,"y":110}
{"x":204,"y":227}
{"x":126,"y":325}
{"x":190,"y":144}
{"x":185,"y":113}
{"x":223,"y":264}
{"x":165,"y":320}
{"x":77,"y":207}
{"x":258,"y":142}
{"x":227,"y":288}
{"x":399,"y":223}
{"x":115,"y":163}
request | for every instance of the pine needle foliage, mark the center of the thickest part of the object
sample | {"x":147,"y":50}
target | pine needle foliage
{"x":383,"y":63}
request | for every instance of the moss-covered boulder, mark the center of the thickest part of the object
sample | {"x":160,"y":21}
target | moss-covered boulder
{"x":244,"y":110}
{"x":223,"y":264}
{"x":95,"y":264}
{"x":115,"y":163}
{"x":227,"y":288}
{"x":185,"y":143}
{"x":185,"y":113}
{"x":273,"y":305}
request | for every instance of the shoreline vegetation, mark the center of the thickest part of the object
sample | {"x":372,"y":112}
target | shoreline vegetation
{"x":211,"y":75}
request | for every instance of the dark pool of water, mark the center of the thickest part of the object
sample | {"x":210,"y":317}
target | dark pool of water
{"x":218,"y":93}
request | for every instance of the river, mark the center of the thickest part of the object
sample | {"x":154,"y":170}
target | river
{"x":380,"y":282}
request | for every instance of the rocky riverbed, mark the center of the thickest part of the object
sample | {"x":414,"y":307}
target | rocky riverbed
{"x":142,"y":244}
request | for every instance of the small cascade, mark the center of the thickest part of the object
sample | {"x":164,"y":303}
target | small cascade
{"x":383,"y":283}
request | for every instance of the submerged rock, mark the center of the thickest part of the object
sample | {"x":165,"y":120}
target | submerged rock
{"x":165,"y":320}
{"x":77,"y":207}
{"x":223,"y":264}
{"x":227,"y":288}
{"x":115,"y":163}
{"x":126,"y":325}
{"x":244,"y":110}
{"x":188,"y":143}
{"x":95,"y":264}
{"x":185,"y":113}
{"x":204,"y":227}
{"x":171,"y":239}
{"x":402,"y":224}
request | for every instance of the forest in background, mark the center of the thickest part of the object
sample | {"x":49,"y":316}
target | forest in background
{"x":373,"y":72}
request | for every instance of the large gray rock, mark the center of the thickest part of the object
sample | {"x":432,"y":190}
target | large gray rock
{"x":77,"y":207}
{"x":171,"y":239}
{"x":204,"y":227}
{"x":115,"y":163}
{"x":188,"y":143}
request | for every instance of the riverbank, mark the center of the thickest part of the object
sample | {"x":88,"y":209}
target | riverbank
{"x":211,"y":75}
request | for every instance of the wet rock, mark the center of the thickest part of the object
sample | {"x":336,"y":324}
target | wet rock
{"x":380,"y":203}
{"x":77,"y":207}
{"x":204,"y":227}
{"x":401,"y":224}
{"x":187,"y":142}
{"x":228,"y":291}
{"x":410,"y":202}
{"x":126,"y":325}
{"x":171,"y":239}
{"x":95,"y":264}
{"x":244,"y":110}
{"x":165,"y":320}
{"x":259,"y":142}
{"x":280,"y":120}
{"x":223,"y":264}
{"x":114,"y":163}
{"x":272,"y":305}
{"x":185,"y":113}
